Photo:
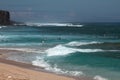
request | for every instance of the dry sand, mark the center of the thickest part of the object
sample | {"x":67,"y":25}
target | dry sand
{"x":11,"y":70}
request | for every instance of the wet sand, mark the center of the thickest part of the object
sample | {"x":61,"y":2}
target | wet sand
{"x":11,"y":70}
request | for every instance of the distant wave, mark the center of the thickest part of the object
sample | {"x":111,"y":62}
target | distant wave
{"x":76,"y":43}
{"x":110,"y":46}
{"x":54,"y":24}
{"x":2,"y":26}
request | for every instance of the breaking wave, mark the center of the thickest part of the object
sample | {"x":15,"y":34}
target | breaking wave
{"x":60,"y":50}
{"x":53,"y":24}
{"x":76,"y":43}
{"x":42,"y":63}
{"x":65,"y":49}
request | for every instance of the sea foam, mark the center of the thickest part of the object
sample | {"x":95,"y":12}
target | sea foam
{"x":65,"y":49}
{"x":76,"y":43}
{"x":97,"y":77}
{"x":66,"y":72}
{"x":2,"y":26}
{"x":42,"y":63}
{"x":61,"y":50}
{"x":54,"y":24}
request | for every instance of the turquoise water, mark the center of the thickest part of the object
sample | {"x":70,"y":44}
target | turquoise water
{"x":73,"y":49}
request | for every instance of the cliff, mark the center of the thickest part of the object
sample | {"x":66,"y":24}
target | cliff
{"x":4,"y":18}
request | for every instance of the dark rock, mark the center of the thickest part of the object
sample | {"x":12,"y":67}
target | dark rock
{"x":4,"y":18}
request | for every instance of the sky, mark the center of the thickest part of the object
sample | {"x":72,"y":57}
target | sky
{"x":63,"y":10}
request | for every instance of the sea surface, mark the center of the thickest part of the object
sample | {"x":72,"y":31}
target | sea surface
{"x":75,"y":49}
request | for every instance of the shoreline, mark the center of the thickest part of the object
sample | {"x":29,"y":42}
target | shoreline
{"x":11,"y":72}
{"x":30,"y":68}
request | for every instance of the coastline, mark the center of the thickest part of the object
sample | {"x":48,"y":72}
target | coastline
{"x":12,"y":70}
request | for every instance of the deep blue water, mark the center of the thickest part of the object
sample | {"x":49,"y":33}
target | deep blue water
{"x":88,"y":50}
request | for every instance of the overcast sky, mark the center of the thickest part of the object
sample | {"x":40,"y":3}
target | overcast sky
{"x":63,"y":10}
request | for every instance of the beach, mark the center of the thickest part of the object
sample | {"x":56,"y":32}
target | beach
{"x":60,"y":40}
{"x":11,"y":70}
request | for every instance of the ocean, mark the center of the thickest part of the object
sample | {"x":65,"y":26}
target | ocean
{"x":74,"y":49}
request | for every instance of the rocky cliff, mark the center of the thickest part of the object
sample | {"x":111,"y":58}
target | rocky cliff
{"x":4,"y":18}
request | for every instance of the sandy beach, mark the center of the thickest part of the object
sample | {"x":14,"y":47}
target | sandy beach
{"x":11,"y":70}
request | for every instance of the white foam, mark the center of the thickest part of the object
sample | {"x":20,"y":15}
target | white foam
{"x":20,"y":24}
{"x":42,"y":63}
{"x":61,"y":50}
{"x":99,"y":78}
{"x":60,"y":71}
{"x":2,"y":26}
{"x":76,"y":43}
{"x":53,"y":24}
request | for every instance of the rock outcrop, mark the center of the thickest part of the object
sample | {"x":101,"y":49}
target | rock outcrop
{"x":4,"y":18}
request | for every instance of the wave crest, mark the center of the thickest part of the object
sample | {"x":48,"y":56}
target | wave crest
{"x":61,"y":50}
{"x":76,"y":43}
{"x":2,"y":26}
{"x":54,"y":24}
{"x":65,"y":49}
